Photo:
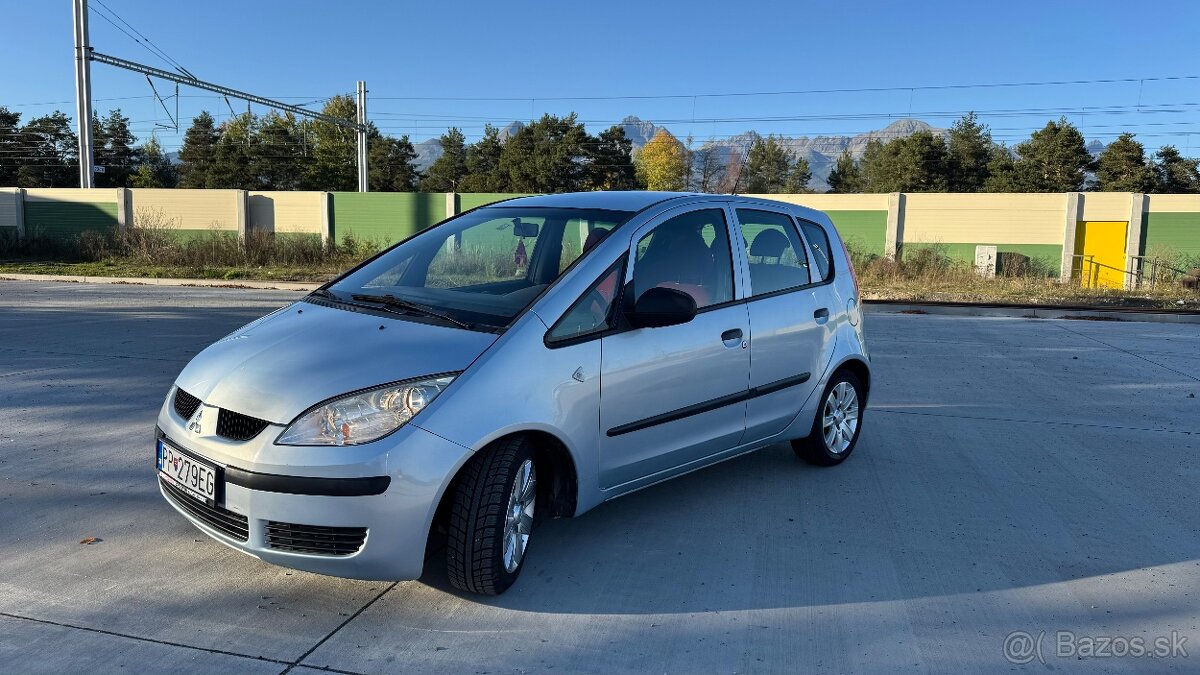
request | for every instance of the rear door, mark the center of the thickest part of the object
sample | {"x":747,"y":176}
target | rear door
{"x":787,"y":317}
{"x":676,"y":394}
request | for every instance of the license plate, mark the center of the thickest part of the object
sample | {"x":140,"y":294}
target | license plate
{"x":196,"y":478}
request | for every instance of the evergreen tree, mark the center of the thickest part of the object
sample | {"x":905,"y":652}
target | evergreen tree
{"x":232,"y":165}
{"x":797,"y":180}
{"x":1054,"y":159}
{"x":968,"y":153}
{"x":391,"y":164}
{"x":334,"y":149}
{"x":447,"y":171}
{"x":1176,"y":174}
{"x":1123,"y":167}
{"x":198,"y":151}
{"x":49,"y":152}
{"x":1002,"y":172}
{"x":846,"y":176}
{"x":483,"y":163}
{"x":914,"y":163}
{"x":767,"y":166}
{"x":661,"y":163}
{"x":545,"y":156}
{"x":277,"y":152}
{"x":155,"y":171}
{"x":113,"y":149}
{"x":610,"y":161}
{"x":10,"y":146}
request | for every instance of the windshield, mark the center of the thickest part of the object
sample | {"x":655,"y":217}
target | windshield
{"x":482,"y":268}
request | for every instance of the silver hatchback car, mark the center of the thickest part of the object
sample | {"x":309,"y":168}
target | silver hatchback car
{"x":528,"y":359}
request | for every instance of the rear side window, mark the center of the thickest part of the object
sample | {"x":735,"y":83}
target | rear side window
{"x":775,"y":250}
{"x":818,"y":244}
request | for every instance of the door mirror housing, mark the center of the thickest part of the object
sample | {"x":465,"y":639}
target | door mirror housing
{"x":659,"y":307}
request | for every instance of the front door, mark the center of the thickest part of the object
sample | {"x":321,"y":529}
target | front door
{"x":677,"y":394}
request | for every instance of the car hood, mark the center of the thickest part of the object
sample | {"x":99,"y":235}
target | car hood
{"x":277,"y":367}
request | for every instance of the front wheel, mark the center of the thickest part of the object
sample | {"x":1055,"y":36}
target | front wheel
{"x":837,"y":425}
{"x":491,"y":519}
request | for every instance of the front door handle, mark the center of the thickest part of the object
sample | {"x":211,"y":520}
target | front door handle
{"x":821,"y":315}
{"x":731,"y":334}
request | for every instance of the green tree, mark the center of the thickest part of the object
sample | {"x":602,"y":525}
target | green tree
{"x":198,"y":151}
{"x":798,"y":178}
{"x":277,"y":150}
{"x":155,"y":170}
{"x":113,"y":149}
{"x":1176,"y":174}
{"x":846,"y":175}
{"x":1123,"y":167}
{"x":1002,"y":172}
{"x":661,"y":164}
{"x":232,"y":165}
{"x":968,"y":153}
{"x":767,"y":166}
{"x":334,"y":149}
{"x":610,"y":161}
{"x":447,"y":171}
{"x":914,"y":163}
{"x":483,"y":163}
{"x":546,"y":156}
{"x":49,"y":152}
{"x":1054,"y":159}
{"x":10,"y":146}
{"x":391,"y":164}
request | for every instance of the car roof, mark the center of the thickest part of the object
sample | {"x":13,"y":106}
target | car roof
{"x":632,"y":200}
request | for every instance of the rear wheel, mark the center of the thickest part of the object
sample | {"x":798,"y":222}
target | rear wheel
{"x":837,"y":425}
{"x":491,"y":519}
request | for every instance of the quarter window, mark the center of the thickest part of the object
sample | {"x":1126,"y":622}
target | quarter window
{"x":689,"y":252}
{"x":818,"y":243}
{"x":592,"y":312}
{"x":775,"y":251}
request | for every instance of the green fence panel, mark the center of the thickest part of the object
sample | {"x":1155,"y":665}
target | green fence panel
{"x":1171,"y":232}
{"x":866,"y":230}
{"x":64,"y":220}
{"x":471,"y":200}
{"x":385,"y":217}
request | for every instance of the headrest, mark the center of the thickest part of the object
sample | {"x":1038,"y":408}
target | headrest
{"x":769,"y":244}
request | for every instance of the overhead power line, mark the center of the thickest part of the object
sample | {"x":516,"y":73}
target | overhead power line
{"x":140,"y":38}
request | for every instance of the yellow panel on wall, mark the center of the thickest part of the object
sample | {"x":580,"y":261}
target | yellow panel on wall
{"x":287,"y":212}
{"x":8,"y":207}
{"x":1102,"y":247}
{"x":179,"y":209}
{"x":1173,"y":203}
{"x":1106,"y":206}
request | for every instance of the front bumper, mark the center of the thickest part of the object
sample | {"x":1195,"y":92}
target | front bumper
{"x":390,"y":487}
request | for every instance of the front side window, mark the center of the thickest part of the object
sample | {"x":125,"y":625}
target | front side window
{"x":484,"y":267}
{"x":818,"y":243}
{"x":775,"y":250}
{"x":690,"y":253}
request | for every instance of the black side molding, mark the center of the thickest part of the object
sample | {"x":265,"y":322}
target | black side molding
{"x":308,"y":485}
{"x":709,"y":405}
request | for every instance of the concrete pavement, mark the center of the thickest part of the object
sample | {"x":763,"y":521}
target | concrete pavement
{"x":1029,"y":475}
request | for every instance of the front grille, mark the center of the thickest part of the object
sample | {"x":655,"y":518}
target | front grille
{"x":222,"y":520}
{"x":315,"y":539}
{"x":185,"y":404}
{"x":238,"y":427}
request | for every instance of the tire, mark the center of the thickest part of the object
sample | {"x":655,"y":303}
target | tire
{"x":486,"y":543}
{"x":829,"y":447}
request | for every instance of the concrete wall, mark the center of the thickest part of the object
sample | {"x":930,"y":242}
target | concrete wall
{"x":1041,"y":226}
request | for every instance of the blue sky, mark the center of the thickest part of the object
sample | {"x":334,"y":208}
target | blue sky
{"x":541,"y":53}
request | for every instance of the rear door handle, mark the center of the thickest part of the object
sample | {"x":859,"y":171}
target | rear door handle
{"x":821,"y":315}
{"x":731,"y":334}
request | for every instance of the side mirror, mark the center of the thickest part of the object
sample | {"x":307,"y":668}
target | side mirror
{"x":659,"y":307}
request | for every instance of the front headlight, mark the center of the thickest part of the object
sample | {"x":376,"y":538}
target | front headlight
{"x":365,"y":416}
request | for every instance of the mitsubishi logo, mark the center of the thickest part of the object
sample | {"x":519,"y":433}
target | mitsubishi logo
{"x":194,"y":423}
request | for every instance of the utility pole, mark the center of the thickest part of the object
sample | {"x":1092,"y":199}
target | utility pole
{"x":83,"y":92}
{"x":362,"y":137}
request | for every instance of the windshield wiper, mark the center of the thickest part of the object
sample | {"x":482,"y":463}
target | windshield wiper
{"x":400,"y":303}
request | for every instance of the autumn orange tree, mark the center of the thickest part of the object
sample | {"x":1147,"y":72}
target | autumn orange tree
{"x":662,"y":163}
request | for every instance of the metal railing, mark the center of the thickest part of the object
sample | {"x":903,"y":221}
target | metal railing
{"x":1155,"y":270}
{"x":1088,"y":270}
